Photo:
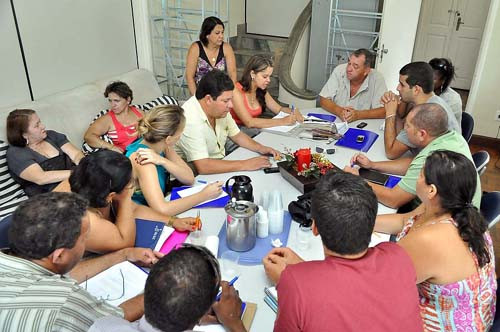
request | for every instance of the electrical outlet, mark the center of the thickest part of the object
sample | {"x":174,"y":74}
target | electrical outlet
{"x":497,"y":117}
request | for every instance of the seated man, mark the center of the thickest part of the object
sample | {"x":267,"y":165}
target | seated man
{"x":355,"y":288}
{"x":416,"y":86}
{"x":354,"y":89}
{"x":209,"y":124}
{"x":427,"y":128}
{"x":171,"y":306}
{"x":47,"y":239}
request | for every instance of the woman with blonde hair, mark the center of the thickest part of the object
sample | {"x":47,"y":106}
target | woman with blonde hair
{"x":154,"y":159}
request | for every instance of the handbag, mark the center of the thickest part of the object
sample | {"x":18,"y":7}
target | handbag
{"x":300,"y":210}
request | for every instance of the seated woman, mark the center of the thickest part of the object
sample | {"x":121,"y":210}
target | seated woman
{"x":449,"y":245}
{"x":154,"y":160}
{"x":119,"y":123}
{"x":444,"y":72}
{"x":38,"y":159}
{"x":209,"y":53}
{"x":105,"y":179}
{"x":250,"y":97}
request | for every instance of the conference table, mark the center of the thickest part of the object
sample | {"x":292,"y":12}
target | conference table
{"x":253,"y":280}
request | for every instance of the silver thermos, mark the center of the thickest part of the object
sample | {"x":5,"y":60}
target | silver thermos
{"x":241,"y":225}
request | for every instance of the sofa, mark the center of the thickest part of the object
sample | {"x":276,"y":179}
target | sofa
{"x":70,"y":113}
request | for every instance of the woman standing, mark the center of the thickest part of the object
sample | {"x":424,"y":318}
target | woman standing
{"x":119,"y":123}
{"x":209,"y":53}
{"x":450,"y":247}
{"x":250,"y":97}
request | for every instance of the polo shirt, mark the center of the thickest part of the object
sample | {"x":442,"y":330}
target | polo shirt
{"x":33,"y":298}
{"x":452,"y":122}
{"x":451,"y":141}
{"x":338,"y":89}
{"x":199,"y":140}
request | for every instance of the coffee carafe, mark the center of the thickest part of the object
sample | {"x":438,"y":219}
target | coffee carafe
{"x":242,"y":188}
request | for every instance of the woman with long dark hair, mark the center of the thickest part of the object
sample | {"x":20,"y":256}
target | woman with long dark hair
{"x":444,"y":73}
{"x":449,"y":245}
{"x":251,"y":98}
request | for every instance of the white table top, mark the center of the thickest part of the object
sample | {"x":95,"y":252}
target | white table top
{"x":252,"y":278}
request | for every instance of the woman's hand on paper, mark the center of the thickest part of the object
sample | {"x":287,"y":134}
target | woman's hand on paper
{"x":212,"y":190}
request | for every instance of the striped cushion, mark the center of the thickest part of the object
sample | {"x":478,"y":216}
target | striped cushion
{"x":11,"y":194}
{"x":163,"y":100}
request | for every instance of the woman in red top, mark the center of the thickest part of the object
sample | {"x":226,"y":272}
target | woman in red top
{"x":250,"y":97}
{"x":119,"y":123}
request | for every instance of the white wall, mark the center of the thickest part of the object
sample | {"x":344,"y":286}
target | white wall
{"x":13,"y":83}
{"x":273,"y":18}
{"x":70,"y":43}
{"x":483,"y":98}
{"x":236,"y":16}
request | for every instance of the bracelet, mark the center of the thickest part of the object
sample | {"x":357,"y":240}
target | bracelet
{"x":170,"y":222}
{"x":390,"y":116}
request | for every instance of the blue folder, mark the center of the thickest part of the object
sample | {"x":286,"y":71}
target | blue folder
{"x":147,"y":233}
{"x":221,"y":202}
{"x":326,"y":117}
{"x":262,"y":246}
{"x":349,"y":139}
{"x":393,"y":181}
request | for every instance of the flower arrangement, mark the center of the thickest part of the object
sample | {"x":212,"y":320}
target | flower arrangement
{"x":308,"y":164}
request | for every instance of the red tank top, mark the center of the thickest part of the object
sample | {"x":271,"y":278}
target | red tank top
{"x":123,"y":136}
{"x":253,"y":112}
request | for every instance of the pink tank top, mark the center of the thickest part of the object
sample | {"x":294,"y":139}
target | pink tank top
{"x":253,"y":112}
{"x":123,"y":135}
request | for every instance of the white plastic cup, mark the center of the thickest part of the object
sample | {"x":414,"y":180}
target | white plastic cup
{"x":264,"y":200}
{"x":275,"y":221}
{"x":303,"y":237}
{"x":229,"y":265}
{"x":262,"y":223}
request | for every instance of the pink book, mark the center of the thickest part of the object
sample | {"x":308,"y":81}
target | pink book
{"x":174,"y":239}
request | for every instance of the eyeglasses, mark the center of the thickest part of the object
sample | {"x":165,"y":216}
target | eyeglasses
{"x":321,"y":150}
{"x":209,"y":257}
{"x":108,"y":297}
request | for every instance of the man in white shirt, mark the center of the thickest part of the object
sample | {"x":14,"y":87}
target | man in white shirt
{"x":209,"y":124}
{"x":354,"y":89}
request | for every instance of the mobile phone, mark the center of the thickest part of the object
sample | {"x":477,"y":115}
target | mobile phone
{"x":361,"y":125}
{"x":271,"y":170}
{"x":374,"y":176}
{"x":360,"y":139}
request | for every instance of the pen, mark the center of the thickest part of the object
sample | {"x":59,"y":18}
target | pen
{"x":201,"y":181}
{"x":217,"y":298}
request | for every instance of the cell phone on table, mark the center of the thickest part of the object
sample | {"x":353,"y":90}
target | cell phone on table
{"x":374,"y":176}
{"x":361,"y":125}
{"x":269,"y":170}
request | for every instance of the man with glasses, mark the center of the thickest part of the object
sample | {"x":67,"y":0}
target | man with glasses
{"x":180,"y":290}
{"x":208,"y":126}
{"x":354,"y":89}
{"x":41,"y":271}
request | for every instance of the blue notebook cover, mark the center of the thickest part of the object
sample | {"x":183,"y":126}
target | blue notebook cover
{"x":221,"y":202}
{"x":326,"y":117}
{"x":262,"y":246}
{"x":393,"y":181}
{"x":349,"y":139}
{"x":147,"y":233}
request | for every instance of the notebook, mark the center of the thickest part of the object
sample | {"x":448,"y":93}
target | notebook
{"x":350,"y":136}
{"x":148,"y":233}
{"x":219,"y":202}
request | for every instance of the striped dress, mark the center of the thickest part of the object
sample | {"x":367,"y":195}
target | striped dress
{"x":465,"y":305}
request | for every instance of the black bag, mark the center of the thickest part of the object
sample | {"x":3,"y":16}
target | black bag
{"x":300,"y":210}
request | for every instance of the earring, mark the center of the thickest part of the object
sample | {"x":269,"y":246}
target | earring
{"x":253,"y":77}
{"x":27,"y":142}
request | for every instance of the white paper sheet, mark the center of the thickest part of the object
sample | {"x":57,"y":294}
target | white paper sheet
{"x":196,"y":189}
{"x":282,"y":129}
{"x":107,"y":285}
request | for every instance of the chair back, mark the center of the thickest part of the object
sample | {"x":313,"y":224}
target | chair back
{"x":4,"y":230}
{"x":481,"y":159}
{"x":490,"y":207}
{"x":467,"y":126}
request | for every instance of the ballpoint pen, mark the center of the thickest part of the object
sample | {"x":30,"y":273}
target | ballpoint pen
{"x":217,"y":298}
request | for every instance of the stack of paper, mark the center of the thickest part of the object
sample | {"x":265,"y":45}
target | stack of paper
{"x":271,"y":298}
